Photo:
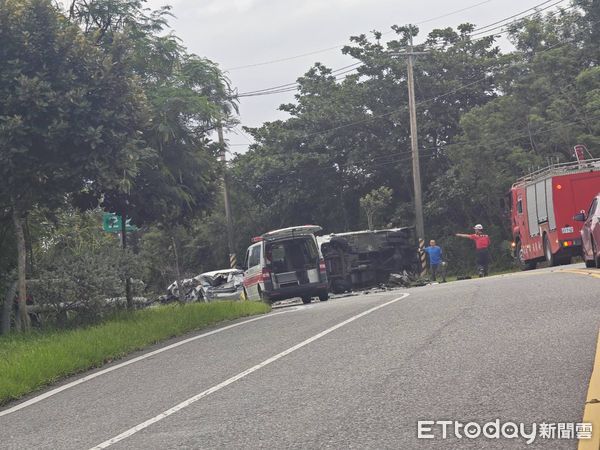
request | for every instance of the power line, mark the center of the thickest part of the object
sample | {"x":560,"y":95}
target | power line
{"x":392,"y":158}
{"x":290,"y":87}
{"x":453,"y":12}
{"x":480,"y":29}
{"x":433,"y":98}
{"x":459,"y":88}
{"x":316,"y":52}
{"x":477,"y":32}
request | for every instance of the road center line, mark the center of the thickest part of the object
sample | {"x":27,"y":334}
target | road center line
{"x":239,"y":376}
{"x":45,"y":395}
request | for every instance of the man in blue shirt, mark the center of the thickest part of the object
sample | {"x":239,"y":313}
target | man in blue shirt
{"x":435,"y":260}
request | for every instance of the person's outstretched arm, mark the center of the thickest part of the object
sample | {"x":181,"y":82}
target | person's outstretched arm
{"x":462,"y":235}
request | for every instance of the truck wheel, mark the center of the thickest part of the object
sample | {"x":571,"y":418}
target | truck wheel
{"x":324,"y":296}
{"x":523,"y":264}
{"x":548,"y":252}
{"x":306,"y":300}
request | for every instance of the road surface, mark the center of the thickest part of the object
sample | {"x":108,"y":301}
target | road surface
{"x":353,"y":372}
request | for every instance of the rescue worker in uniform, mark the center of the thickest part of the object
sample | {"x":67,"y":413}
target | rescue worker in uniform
{"x":482,"y":243}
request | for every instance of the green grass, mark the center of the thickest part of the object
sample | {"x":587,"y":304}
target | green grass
{"x":33,"y":360}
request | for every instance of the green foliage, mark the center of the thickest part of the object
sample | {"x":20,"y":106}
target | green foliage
{"x":188,"y":96}
{"x":78,"y":266}
{"x":375,"y":203}
{"x":70,"y":112}
{"x":28,"y":362}
{"x":485,"y":118}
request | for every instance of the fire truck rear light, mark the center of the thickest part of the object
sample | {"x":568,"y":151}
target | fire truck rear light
{"x":559,"y":186}
{"x":513,"y":244}
{"x":567,"y":243}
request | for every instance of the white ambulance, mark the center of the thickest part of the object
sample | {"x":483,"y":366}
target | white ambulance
{"x":285,"y":263}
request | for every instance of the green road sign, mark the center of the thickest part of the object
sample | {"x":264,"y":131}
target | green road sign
{"x":111,"y":222}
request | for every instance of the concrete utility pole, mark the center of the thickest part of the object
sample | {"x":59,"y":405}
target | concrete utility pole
{"x":412,"y":107}
{"x":228,"y":217}
{"x":414,"y":144}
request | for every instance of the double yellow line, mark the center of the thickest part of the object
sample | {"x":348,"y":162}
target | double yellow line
{"x":589,"y":272}
{"x":591,"y":412}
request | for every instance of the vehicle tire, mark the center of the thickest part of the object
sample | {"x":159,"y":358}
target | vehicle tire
{"x":590,"y":263}
{"x":338,"y":287}
{"x":263,"y":297}
{"x":595,"y":256}
{"x":306,"y":300}
{"x":524,"y":265}
{"x":324,"y":296}
{"x":550,"y":258}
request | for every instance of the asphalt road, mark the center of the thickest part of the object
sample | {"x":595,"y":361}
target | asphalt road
{"x":353,"y":372}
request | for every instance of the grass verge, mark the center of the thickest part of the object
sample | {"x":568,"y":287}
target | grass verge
{"x":33,"y":360}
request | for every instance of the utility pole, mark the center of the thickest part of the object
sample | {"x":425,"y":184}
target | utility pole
{"x":228,"y":217}
{"x":414,"y":144}
{"x":128,"y":290}
{"x":416,"y":169}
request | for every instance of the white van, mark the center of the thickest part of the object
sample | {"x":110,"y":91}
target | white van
{"x":285,"y":263}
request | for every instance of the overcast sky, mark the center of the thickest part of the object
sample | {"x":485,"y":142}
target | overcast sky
{"x":236,"y":33}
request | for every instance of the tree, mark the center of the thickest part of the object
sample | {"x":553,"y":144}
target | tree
{"x":346,"y":137}
{"x":71,"y":114}
{"x":188,"y":97}
{"x":375,"y":203}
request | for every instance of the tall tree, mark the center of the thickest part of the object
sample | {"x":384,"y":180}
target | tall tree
{"x":188,"y":96}
{"x":70,"y":114}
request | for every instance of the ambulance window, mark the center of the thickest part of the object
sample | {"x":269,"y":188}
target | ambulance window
{"x":520,"y":206}
{"x":246,"y":259}
{"x":254,"y":257}
{"x":593,"y":208}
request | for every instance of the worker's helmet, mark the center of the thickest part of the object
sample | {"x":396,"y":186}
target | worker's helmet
{"x":478,"y":227}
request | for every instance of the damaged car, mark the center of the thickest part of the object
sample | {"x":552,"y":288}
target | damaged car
{"x":225,"y":284}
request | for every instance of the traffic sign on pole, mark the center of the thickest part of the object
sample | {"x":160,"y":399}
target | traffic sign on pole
{"x":111,"y":223}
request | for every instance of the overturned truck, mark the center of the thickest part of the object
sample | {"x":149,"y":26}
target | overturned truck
{"x":361,"y":259}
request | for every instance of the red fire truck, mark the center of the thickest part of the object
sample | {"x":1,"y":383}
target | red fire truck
{"x":542,"y":207}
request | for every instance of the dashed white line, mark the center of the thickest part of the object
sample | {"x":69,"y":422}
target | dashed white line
{"x":45,"y":395}
{"x":237,"y":377}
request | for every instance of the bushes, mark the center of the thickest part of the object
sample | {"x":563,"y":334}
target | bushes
{"x":76,"y":288}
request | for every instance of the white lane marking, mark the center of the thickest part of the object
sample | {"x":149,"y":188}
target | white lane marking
{"x":237,"y":377}
{"x":45,"y":395}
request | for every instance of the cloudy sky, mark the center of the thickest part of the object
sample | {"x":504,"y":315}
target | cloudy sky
{"x":241,"y":33}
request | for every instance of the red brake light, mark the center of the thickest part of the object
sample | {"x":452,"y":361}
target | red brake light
{"x":256,"y":239}
{"x":322,"y":266}
{"x":266,"y":275}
